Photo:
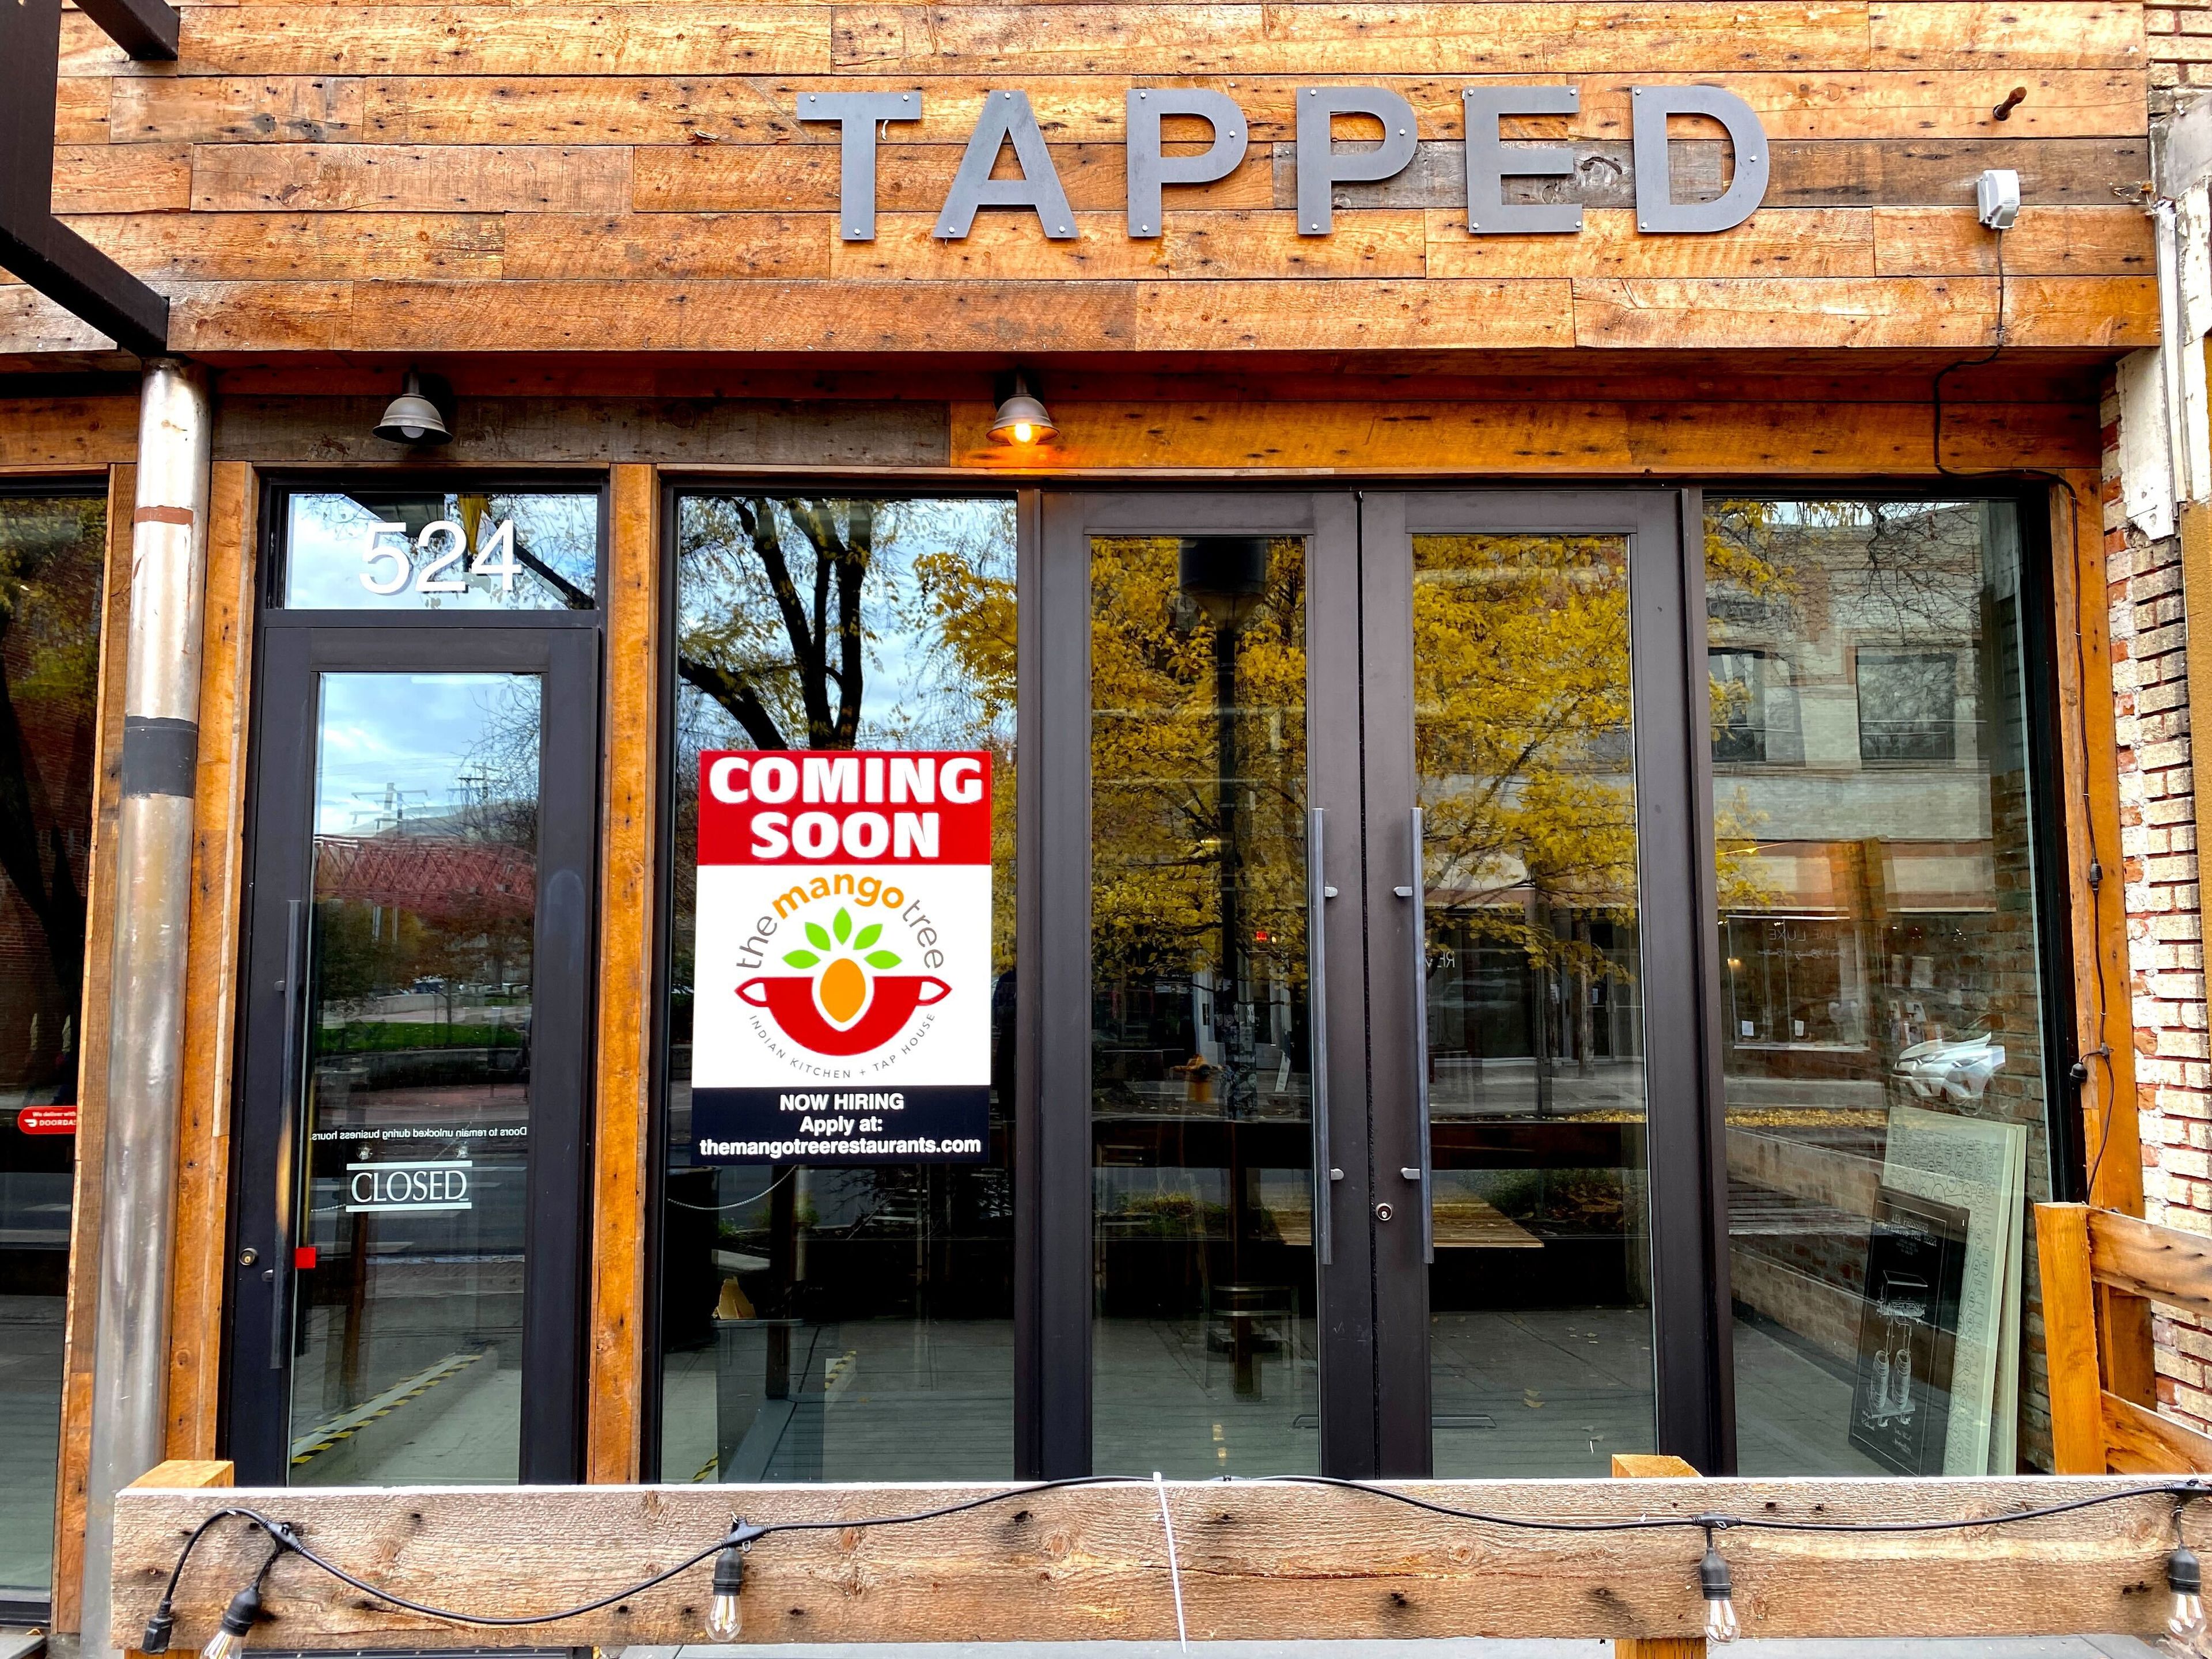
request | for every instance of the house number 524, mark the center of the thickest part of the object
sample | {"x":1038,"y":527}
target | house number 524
{"x":438,"y":549}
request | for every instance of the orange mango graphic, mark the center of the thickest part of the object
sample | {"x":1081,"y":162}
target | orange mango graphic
{"x":843,"y":989}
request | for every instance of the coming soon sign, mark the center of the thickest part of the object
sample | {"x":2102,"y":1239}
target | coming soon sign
{"x":841,"y":1010}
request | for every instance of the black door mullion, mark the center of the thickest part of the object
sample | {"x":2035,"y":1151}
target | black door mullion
{"x":258,"y":1353}
{"x":1394,"y":992}
{"x":1345,"y":1324}
{"x":560,"y":1078}
{"x":1052,"y":1214}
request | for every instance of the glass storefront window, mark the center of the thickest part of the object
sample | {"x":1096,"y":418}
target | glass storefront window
{"x":1524,"y":739}
{"x":1204,"y":1357}
{"x":417,"y":549}
{"x":848,"y":1323}
{"x":1884,"y":1043}
{"x":51,"y":562}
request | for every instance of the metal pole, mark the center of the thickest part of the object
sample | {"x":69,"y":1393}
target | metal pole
{"x":153,"y":885}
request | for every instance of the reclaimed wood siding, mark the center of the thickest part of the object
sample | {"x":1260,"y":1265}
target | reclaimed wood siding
{"x":543,"y":175}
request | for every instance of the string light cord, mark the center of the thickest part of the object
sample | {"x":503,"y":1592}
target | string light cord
{"x":741,"y":1535}
{"x":284,"y":1539}
{"x":2182,"y":1492}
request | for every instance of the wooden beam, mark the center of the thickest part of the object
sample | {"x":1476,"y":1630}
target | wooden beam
{"x":2162,"y":1264}
{"x":188,"y":1473}
{"x":1258,"y":1561}
{"x":199,"y":1265}
{"x":78,"y":1321}
{"x":2138,"y":1441}
{"x":2104,"y":1008}
{"x":2069,"y":1339}
{"x":621,"y":1150}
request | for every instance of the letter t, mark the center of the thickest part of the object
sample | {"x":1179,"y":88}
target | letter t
{"x":856,"y":114}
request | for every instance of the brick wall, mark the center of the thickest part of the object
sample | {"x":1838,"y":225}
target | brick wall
{"x":2157,"y":844}
{"x":2180,"y":52}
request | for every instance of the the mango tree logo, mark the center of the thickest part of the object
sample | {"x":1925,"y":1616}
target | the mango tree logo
{"x":844,"y":999}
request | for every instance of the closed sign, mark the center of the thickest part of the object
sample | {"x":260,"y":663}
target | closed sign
{"x":441,"y":1184}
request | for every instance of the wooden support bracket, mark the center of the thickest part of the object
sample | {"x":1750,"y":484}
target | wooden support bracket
{"x":1640,"y":1466}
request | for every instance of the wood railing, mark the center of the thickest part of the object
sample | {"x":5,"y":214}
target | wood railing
{"x":2091,"y":1429}
{"x":1257,"y":1560}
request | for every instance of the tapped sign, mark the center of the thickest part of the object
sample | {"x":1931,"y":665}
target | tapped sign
{"x":842,"y":1005}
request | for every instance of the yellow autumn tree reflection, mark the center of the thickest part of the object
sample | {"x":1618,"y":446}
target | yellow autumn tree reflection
{"x":1156,"y":748}
{"x":1522,"y":735}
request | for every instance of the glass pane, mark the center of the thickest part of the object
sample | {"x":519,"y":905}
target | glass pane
{"x":848,"y":1323}
{"x":52,"y":559}
{"x":1539,"y":1298}
{"x":428,"y":549}
{"x":1202,"y":1097}
{"x":408,"y":1351}
{"x":1884,"y":1058}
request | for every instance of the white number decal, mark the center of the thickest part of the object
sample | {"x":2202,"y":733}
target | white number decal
{"x":371,"y":552}
{"x":429,"y":581}
{"x":497,"y":557}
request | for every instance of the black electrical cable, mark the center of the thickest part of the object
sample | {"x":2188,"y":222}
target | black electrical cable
{"x":742,"y":1533}
{"x":286,"y":1539}
{"x":2182,"y":1491}
{"x":1996,"y":347}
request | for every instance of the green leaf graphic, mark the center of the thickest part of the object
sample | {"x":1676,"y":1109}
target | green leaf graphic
{"x":844,"y":927}
{"x":868,"y":936}
{"x":802,"y":958}
{"x":821,"y":940}
{"x":882,"y":959}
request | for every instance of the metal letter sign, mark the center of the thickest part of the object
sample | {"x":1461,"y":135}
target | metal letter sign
{"x":841,"y":1008}
{"x":1006,"y":117}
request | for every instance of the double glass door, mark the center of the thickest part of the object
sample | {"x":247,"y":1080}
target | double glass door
{"x":1400,"y":1159}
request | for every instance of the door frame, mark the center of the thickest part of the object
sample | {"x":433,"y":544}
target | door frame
{"x":1678,"y":925}
{"x":294,"y":647}
{"x":1374,"y":1299}
{"x":1053,"y":1261}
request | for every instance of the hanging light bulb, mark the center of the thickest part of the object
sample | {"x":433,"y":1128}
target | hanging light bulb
{"x":2184,"y":1619}
{"x":237,"y":1622}
{"x":1713,"y":1584}
{"x":725,"y":1614}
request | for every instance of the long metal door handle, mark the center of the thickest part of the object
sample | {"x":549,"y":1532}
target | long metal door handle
{"x":1417,"y":893}
{"x":281,"y":1262}
{"x":1318,"y":892}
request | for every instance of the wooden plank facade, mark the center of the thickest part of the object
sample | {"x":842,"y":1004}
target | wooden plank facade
{"x":611,"y":230}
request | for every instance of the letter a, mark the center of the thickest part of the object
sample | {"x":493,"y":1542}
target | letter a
{"x":1006,"y":115}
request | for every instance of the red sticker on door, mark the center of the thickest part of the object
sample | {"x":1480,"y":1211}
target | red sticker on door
{"x":47,"y":1120}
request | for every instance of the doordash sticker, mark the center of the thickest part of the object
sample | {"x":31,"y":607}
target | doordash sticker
{"x":841,"y":1010}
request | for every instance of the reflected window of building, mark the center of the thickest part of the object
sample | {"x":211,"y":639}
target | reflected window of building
{"x":846,"y":1323}
{"x":1908,"y":707}
{"x":52,"y":549}
{"x":1884,"y":1063}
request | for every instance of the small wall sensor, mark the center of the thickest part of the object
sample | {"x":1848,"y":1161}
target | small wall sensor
{"x":1996,"y":198}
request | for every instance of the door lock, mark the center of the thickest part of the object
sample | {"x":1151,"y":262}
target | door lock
{"x":1384,"y":1211}
{"x":248,"y":1256}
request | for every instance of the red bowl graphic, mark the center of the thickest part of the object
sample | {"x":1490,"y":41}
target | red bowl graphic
{"x":789,"y":1000}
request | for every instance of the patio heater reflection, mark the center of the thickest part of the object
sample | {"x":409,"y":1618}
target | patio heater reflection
{"x":1224,"y":576}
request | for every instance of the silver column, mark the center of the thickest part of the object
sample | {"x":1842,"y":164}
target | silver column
{"x":153,"y":888}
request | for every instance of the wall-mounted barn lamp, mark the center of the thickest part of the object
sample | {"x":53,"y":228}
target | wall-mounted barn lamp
{"x":1022,"y":419}
{"x":411,"y":417}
